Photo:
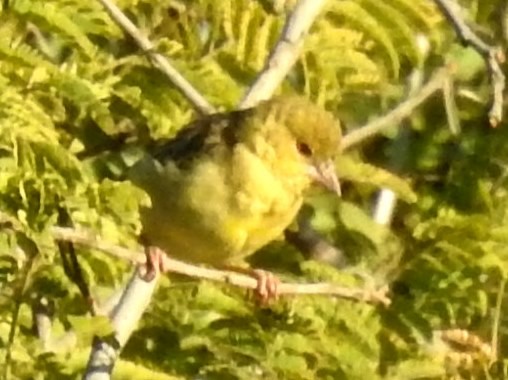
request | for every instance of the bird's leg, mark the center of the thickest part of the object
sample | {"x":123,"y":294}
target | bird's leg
{"x":267,"y":283}
{"x":153,"y":259}
{"x":155,"y":262}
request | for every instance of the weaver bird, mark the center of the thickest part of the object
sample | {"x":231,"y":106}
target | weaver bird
{"x":230,"y":183}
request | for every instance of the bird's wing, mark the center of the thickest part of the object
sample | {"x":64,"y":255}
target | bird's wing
{"x":199,"y":137}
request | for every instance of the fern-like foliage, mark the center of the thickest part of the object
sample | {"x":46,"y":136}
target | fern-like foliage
{"x":72,"y":86}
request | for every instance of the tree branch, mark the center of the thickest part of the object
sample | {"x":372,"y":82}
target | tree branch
{"x":42,"y":310}
{"x":402,"y":111}
{"x":284,"y":54}
{"x":124,"y":319}
{"x":378,"y":296}
{"x":158,"y":60}
{"x":492,"y":55}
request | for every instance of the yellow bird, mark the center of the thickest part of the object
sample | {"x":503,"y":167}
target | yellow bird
{"x":230,"y":183}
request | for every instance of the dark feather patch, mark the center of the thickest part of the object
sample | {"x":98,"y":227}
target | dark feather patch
{"x":200,"y":136}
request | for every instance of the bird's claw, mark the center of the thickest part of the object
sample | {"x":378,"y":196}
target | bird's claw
{"x":267,"y":287}
{"x":155,"y":262}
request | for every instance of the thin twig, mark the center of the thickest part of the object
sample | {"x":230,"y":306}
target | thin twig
{"x":492,"y":55}
{"x":378,"y":296}
{"x":402,"y":111}
{"x":161,"y":62}
{"x":19,"y":293}
{"x":88,"y":239}
{"x":284,"y":54}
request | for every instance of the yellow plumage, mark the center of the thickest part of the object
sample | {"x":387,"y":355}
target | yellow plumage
{"x":228,"y":184}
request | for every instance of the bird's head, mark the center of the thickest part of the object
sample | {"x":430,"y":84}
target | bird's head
{"x":316,"y":135}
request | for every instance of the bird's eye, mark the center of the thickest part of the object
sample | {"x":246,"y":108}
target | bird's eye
{"x":304,"y":149}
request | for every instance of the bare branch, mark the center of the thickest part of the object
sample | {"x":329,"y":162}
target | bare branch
{"x":402,"y":111}
{"x":378,"y":296}
{"x":88,"y":239}
{"x":493,"y":56}
{"x":42,"y":310}
{"x":158,"y":60}
{"x":285,"y":53}
{"x":124,"y":319}
{"x":42,"y":315}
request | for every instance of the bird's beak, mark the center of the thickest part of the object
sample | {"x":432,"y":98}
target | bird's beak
{"x":325,"y":174}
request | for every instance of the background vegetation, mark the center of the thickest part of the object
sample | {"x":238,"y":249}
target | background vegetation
{"x":78,"y":99}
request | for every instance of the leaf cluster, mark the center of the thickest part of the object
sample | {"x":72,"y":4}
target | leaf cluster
{"x":79,"y":100}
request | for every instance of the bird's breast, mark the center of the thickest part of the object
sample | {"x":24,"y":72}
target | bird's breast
{"x":226,"y":208}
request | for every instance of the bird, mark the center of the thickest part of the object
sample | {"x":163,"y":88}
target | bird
{"x":229,"y":183}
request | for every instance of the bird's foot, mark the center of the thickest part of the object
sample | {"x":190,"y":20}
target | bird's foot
{"x":267,"y":288}
{"x":155,"y":262}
